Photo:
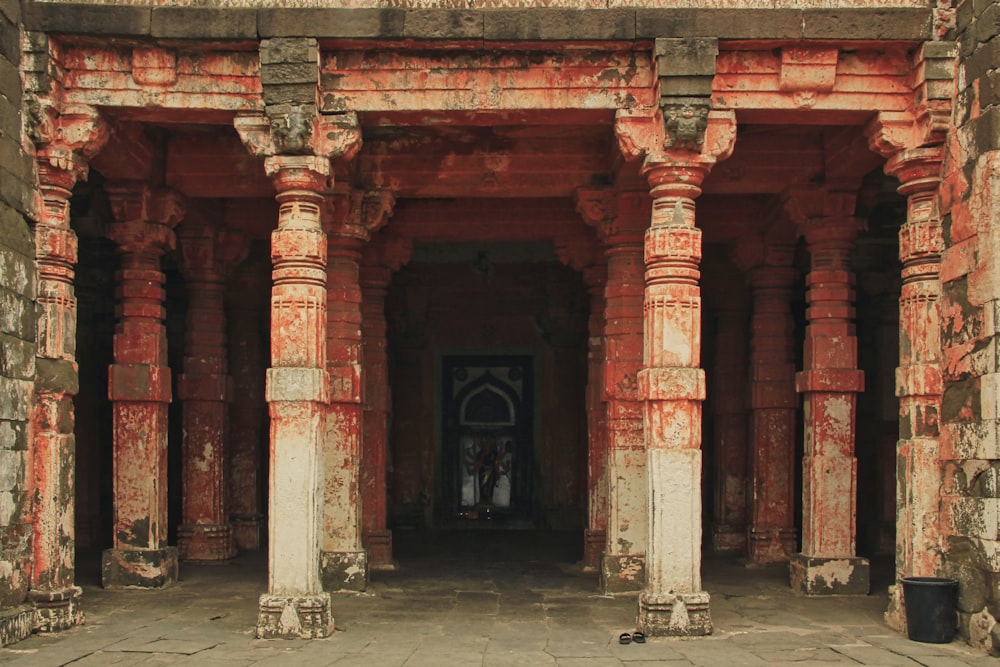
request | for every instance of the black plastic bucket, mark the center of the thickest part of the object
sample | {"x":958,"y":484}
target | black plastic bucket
{"x":930,"y":608}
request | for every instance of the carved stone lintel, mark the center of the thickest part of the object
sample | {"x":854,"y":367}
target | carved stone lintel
{"x":154,"y":66}
{"x":808,"y":68}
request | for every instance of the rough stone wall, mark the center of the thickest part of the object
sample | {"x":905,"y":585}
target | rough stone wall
{"x":970,"y":311}
{"x":17,"y":338}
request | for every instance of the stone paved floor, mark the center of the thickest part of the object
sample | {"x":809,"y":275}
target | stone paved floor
{"x":493,"y":599}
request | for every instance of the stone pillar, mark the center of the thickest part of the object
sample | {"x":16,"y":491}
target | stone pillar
{"x":296,"y":391}
{"x":205,"y":390}
{"x":62,"y":160}
{"x":680,"y":148}
{"x":246,"y":300}
{"x":139,"y":388}
{"x":729,"y":435}
{"x":918,"y":378}
{"x":350,"y":217}
{"x":773,"y":401}
{"x":620,"y":220}
{"x":379,"y":262}
{"x":595,"y":536}
{"x":829,"y":385}
{"x":672,"y":387}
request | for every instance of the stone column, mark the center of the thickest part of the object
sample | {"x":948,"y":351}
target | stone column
{"x":297,"y":393}
{"x":349,"y":218}
{"x":205,"y":389}
{"x":139,"y":388}
{"x":918,"y":378}
{"x":672,"y":386}
{"x":729,"y":434}
{"x":62,"y":160}
{"x":379,"y":262}
{"x":246,"y":300}
{"x":620,"y":220}
{"x":829,"y":385}
{"x":773,"y":400}
{"x":679,"y":153}
{"x":596,"y":534}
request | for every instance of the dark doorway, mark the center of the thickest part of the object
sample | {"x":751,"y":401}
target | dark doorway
{"x":487,"y":437}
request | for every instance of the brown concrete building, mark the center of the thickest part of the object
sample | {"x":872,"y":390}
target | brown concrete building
{"x":676,"y":275}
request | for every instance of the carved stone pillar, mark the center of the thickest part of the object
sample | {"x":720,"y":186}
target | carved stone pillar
{"x":350,"y":217}
{"x":829,"y":385}
{"x":64,"y":150}
{"x":773,"y":401}
{"x":139,"y":388}
{"x":596,"y":534}
{"x":297,"y":392}
{"x":205,"y":390}
{"x":918,"y":378}
{"x":672,"y":386}
{"x":246,"y":300}
{"x":620,"y":220}
{"x":379,"y":262}
{"x":729,"y":434}
{"x":298,"y":384}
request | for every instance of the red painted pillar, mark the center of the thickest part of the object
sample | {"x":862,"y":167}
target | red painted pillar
{"x":729,"y":434}
{"x":349,"y":219}
{"x":297,"y":389}
{"x":918,"y":379}
{"x":672,"y":386}
{"x":246,"y":301}
{"x":829,"y":385}
{"x":62,"y":161}
{"x":596,"y":534}
{"x":620,"y":220}
{"x":139,"y":388}
{"x":380,"y":260}
{"x":204,"y":388}
{"x":774,"y":401}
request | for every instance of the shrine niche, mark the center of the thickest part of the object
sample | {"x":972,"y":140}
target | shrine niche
{"x":487,"y":429}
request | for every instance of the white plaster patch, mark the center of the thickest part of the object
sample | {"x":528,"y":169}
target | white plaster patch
{"x":838,"y":409}
{"x":833,"y":571}
{"x":7,"y":508}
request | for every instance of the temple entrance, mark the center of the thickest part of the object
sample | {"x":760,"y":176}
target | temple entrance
{"x":487,"y":424}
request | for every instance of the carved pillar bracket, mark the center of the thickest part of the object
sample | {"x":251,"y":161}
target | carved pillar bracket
{"x":671,"y":385}
{"x":65,"y":144}
{"x":207,"y":256}
{"x":829,"y":383}
{"x":773,"y":400}
{"x":380,"y":259}
{"x":139,"y":388}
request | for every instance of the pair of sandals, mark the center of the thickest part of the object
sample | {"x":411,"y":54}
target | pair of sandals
{"x":637,"y":637}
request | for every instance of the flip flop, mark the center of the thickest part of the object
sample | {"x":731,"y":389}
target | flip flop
{"x":638,"y":637}
{"x":625,"y":638}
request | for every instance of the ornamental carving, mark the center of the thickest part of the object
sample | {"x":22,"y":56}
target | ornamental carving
{"x":685,"y":125}
{"x":292,"y":131}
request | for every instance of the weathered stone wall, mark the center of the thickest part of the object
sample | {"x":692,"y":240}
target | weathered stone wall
{"x":970,"y":310}
{"x":17,"y":338}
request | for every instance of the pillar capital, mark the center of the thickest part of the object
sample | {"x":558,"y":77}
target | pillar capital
{"x":300,"y":131}
{"x":355,"y":214}
{"x":144,"y":217}
{"x":209,"y":254}
{"x":66,"y":138}
{"x":665,"y":135}
{"x":618,"y":217}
